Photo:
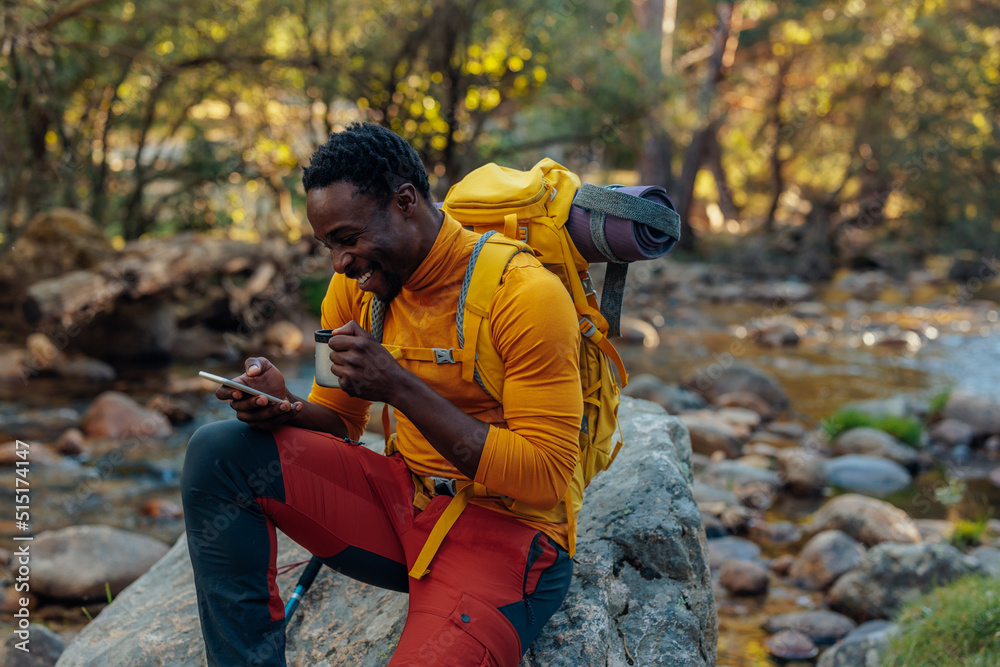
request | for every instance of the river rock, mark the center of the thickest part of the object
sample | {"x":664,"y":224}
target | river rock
{"x":84,"y":369}
{"x":37,"y":454}
{"x":74,"y":563}
{"x":672,"y":398}
{"x":115,"y":415}
{"x":951,"y":433}
{"x":731,"y":474}
{"x":873,"y":442}
{"x":731,"y":548}
{"x":862,"y":647}
{"x":934,"y":531}
{"x":868,"y":520}
{"x":774,"y":533}
{"x":821,"y":627}
{"x":743,"y":577}
{"x":284,"y":337}
{"x":802,"y":472}
{"x":646,"y":556}
{"x":710,"y":434}
{"x":726,"y":376}
{"x":979,"y":412}
{"x":896,"y":406}
{"x":45,"y":647}
{"x":867,"y":474}
{"x":774,"y":334}
{"x":988,"y":558}
{"x":791,"y":645}
{"x":894,"y":574}
{"x":824,"y":558}
{"x":747,"y":401}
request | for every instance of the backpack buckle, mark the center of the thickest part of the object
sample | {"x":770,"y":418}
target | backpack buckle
{"x":443,"y":356}
{"x":587,"y":328}
{"x":588,"y":284}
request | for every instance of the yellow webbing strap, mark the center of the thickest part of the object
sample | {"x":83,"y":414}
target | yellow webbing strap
{"x":510,"y":226}
{"x":570,"y":521}
{"x":441,"y":528}
{"x":588,"y":329}
{"x":423,"y":353}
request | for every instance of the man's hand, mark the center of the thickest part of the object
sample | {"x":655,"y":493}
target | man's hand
{"x":365,"y":368}
{"x":257,"y":411}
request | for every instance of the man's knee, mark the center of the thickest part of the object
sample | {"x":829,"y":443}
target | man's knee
{"x":217,"y":446}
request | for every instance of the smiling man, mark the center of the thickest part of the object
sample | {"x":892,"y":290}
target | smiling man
{"x":502,"y":570}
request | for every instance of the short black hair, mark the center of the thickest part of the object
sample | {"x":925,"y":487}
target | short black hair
{"x":371,"y":158}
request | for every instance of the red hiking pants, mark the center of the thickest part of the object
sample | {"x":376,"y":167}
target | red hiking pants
{"x":492,"y":585}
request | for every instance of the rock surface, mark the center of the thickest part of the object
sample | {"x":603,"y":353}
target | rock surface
{"x":44,"y":646}
{"x":743,"y":577}
{"x":802,"y":472}
{"x":115,"y":415}
{"x":868,"y":520}
{"x":862,"y":647}
{"x":821,"y":627}
{"x":791,"y":645}
{"x":827,"y":556}
{"x":873,"y":442}
{"x":979,"y":412}
{"x":725,"y":378}
{"x":894,"y":574}
{"x":641,"y":551}
{"x":872,"y":475}
{"x":75,"y":563}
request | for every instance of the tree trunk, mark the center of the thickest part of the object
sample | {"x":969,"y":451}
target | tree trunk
{"x":695,"y":154}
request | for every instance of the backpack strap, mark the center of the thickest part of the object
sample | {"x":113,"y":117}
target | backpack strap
{"x":603,"y":202}
{"x":489,"y":260}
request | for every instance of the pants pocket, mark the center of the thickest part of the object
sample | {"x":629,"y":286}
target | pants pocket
{"x":474,"y":633}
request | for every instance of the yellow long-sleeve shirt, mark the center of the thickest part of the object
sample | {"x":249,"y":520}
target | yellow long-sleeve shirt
{"x":532,"y":446}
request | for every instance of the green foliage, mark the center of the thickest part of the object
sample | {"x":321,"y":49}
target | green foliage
{"x":903,"y":428}
{"x":939,"y":401}
{"x":956,"y":625}
{"x":313,"y":289}
{"x":969,"y":533}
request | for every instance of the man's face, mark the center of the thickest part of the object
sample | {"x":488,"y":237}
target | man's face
{"x":374,"y":247}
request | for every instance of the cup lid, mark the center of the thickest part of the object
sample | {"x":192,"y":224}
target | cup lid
{"x":324,"y":335}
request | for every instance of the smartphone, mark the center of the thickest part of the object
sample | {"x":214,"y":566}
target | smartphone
{"x":232,"y":384}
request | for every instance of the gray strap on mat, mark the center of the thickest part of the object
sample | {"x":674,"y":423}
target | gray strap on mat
{"x":602,"y":202}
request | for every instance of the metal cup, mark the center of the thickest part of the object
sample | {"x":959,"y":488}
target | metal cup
{"x":324,"y":369}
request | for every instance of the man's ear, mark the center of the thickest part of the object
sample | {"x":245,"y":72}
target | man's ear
{"x":407,"y":199}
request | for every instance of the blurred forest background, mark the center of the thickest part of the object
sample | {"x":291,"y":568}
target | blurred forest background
{"x":801,"y":136}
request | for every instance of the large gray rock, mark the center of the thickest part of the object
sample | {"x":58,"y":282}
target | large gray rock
{"x":641,"y":580}
{"x":862,"y":647}
{"x":867,"y":474}
{"x":868,"y":520}
{"x":874,"y":442}
{"x":893,"y":574}
{"x":44,"y":648}
{"x":802,"y":471}
{"x":75,"y":563}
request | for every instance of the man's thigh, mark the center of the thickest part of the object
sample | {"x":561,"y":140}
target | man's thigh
{"x":491,"y":586}
{"x":344,"y":503}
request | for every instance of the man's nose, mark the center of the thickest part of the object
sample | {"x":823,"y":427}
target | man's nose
{"x":341,"y":260}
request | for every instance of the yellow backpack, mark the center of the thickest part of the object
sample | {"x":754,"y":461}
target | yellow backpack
{"x":530,"y":209}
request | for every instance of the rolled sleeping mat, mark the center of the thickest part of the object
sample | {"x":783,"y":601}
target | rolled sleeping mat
{"x":628,"y":240}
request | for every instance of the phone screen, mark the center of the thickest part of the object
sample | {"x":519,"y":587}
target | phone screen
{"x":232,"y":384}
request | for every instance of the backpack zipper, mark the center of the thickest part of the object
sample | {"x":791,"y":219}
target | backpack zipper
{"x":507,"y":204}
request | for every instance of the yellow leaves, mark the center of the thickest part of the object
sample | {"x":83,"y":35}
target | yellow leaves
{"x":439,"y":142}
{"x":796,"y":33}
{"x":209,"y":110}
{"x":218,"y":32}
{"x":515,"y":64}
{"x":164,"y":47}
{"x":779,"y":49}
{"x":50,"y":138}
{"x":128,"y":11}
{"x":539,"y":73}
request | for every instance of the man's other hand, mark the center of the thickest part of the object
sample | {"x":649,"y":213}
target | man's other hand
{"x":365,"y":368}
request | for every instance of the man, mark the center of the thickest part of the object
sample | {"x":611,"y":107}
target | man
{"x":499,"y":574}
